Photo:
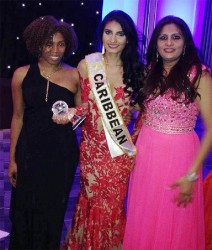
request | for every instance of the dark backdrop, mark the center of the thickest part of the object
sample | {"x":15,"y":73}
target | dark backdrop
{"x":15,"y":15}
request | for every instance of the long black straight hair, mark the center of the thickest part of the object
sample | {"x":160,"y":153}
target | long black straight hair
{"x":130,"y":56}
{"x":178,"y":79}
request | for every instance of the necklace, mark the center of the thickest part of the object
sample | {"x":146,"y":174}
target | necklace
{"x":48,"y":76}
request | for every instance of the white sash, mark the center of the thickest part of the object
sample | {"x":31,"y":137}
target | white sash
{"x":117,"y":135}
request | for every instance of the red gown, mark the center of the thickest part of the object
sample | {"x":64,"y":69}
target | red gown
{"x":99,"y":219}
{"x":207,"y":187}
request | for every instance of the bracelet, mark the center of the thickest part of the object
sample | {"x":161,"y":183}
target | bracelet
{"x":193,"y":176}
{"x":71,"y":113}
{"x":69,"y":117}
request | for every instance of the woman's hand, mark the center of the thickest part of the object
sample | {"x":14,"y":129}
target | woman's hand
{"x":136,"y":107}
{"x":64,"y":118}
{"x":127,"y":118}
{"x":60,"y":119}
{"x":12,"y":173}
{"x":184,"y":197}
{"x":132,"y":113}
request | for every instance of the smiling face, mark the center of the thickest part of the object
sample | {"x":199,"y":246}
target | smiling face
{"x":170,"y":44}
{"x":54,"y":49}
{"x":113,"y":38}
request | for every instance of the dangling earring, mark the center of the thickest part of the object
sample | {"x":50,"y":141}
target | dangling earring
{"x":157,"y":55}
{"x":103,"y":49}
{"x":184,"y":51}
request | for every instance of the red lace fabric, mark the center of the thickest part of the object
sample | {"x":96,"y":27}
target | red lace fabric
{"x":207,"y":187}
{"x":99,"y":219}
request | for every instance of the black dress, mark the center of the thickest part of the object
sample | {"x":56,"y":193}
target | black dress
{"x":47,"y":157}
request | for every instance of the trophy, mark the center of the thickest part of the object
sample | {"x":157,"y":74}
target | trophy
{"x":61,"y":108}
{"x":77,"y":120}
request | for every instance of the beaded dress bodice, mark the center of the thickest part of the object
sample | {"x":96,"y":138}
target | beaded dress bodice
{"x":170,"y":116}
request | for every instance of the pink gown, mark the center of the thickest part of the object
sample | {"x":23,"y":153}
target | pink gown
{"x":166,"y":147}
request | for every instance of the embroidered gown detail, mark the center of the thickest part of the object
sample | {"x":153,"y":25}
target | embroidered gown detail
{"x":99,"y":220}
{"x":167,"y":145}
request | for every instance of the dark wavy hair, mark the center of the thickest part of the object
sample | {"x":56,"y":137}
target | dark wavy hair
{"x":42,"y":29}
{"x":178,"y":79}
{"x":130,"y":55}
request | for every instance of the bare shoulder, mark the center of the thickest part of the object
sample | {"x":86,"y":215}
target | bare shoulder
{"x":22,"y":71}
{"x":70,"y":78}
{"x":71,"y":72}
{"x":19,"y":75}
{"x":205,"y":89}
{"x":205,"y":81}
{"x":205,"y":99}
{"x":82,"y":67}
{"x":82,"y":64}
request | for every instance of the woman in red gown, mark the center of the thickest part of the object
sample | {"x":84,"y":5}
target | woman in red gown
{"x":99,"y":219}
{"x":207,"y":188}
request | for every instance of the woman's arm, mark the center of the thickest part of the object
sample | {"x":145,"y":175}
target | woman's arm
{"x":137,"y":125}
{"x":205,"y":104}
{"x":81,"y":104}
{"x":81,"y":108}
{"x":17,"y":120}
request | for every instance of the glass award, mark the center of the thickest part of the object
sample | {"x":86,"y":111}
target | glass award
{"x":61,"y":108}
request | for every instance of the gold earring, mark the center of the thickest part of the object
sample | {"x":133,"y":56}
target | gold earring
{"x":103,"y":49}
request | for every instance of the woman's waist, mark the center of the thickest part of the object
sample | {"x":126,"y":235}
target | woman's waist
{"x":169,"y":127}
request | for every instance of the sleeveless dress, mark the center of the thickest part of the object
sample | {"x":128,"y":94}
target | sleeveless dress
{"x":167,"y":145}
{"x":46,"y":156}
{"x":99,"y":219}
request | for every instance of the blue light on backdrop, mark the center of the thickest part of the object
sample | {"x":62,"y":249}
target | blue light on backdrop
{"x":191,"y":11}
{"x":184,"y":9}
{"x":128,"y":6}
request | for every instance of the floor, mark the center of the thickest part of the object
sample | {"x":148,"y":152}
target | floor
{"x":5,"y":188}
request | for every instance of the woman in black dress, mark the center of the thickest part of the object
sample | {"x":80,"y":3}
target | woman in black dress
{"x":43,"y":154}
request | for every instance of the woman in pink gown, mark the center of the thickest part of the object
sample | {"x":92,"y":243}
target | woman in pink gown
{"x":165,"y":202}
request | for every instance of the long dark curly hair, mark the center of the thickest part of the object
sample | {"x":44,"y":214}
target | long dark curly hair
{"x":42,"y":29}
{"x":130,"y":56}
{"x":178,"y":79}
